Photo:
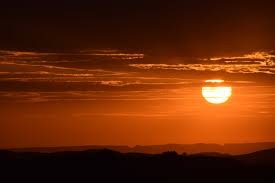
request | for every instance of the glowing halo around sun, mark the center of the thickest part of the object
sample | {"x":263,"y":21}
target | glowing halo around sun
{"x":215,"y":93}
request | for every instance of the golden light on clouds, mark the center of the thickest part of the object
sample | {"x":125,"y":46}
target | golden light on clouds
{"x":214,"y":81}
{"x":216,"y":94}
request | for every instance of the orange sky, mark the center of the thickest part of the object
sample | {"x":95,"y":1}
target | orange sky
{"x":55,"y":99}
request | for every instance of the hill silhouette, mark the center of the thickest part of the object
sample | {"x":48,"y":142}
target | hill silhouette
{"x":233,"y":149}
{"x":111,"y":166}
{"x":264,"y":157}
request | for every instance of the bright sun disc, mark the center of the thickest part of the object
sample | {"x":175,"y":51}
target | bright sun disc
{"x":216,"y":94}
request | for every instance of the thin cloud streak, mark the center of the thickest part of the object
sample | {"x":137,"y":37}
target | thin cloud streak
{"x":229,"y":68}
{"x":258,"y":62}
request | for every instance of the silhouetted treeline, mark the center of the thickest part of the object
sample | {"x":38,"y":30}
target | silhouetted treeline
{"x":111,"y":166}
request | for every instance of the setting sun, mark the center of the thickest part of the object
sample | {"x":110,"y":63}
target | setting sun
{"x":216,"y":94}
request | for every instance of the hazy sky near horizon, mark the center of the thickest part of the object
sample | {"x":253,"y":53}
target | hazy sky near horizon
{"x":127,"y":73}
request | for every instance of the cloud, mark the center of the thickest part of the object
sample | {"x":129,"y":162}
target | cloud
{"x":103,"y":53}
{"x":92,"y":95}
{"x":265,"y":58}
{"x":259,"y":62}
{"x":23,"y":53}
{"x":41,"y":77}
{"x":125,"y":114}
{"x":112,"y":83}
{"x":229,"y":68}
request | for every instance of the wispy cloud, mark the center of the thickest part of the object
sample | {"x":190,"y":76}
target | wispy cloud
{"x":125,"y":114}
{"x":146,"y":95}
{"x":115,"y":54}
{"x":259,"y":62}
{"x":44,"y":77}
{"x":23,"y":53}
{"x":104,"y":53}
{"x":263,"y":58}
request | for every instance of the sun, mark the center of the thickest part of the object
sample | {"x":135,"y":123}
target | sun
{"x":215,"y":92}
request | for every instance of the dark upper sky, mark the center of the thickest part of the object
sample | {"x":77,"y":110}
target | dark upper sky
{"x":188,"y":27}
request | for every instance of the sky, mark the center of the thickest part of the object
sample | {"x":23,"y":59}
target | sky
{"x":131,"y":73}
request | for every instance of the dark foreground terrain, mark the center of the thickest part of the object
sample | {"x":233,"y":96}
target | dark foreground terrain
{"x":111,"y":166}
